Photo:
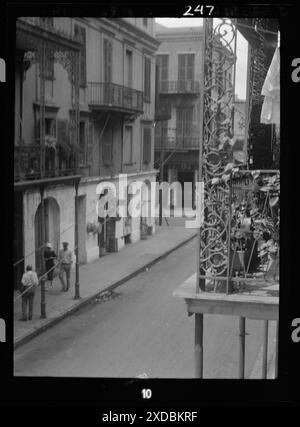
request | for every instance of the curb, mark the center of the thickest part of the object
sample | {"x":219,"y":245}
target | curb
{"x":82,"y":302}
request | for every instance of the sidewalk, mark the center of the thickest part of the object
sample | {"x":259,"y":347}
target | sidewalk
{"x":101,"y":275}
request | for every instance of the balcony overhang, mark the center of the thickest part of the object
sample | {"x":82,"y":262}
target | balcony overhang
{"x":260,"y":305}
{"x":29,"y":33}
{"x":46,"y":182}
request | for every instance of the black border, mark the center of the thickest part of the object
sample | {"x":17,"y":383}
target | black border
{"x":120,"y":393}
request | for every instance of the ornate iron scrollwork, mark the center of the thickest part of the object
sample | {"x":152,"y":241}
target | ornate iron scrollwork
{"x":218,"y":101}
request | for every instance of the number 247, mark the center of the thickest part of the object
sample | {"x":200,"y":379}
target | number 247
{"x":198,"y":9}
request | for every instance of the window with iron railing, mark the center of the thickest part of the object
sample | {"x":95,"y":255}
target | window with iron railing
{"x":107,"y":144}
{"x":127,"y":146}
{"x":107,"y":60}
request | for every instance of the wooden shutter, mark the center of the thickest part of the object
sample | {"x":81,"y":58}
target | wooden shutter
{"x":90,"y":140}
{"x":127,"y":147}
{"x":179,"y":120}
{"x":165,"y":68}
{"x":181,"y":67}
{"x":190,"y":67}
{"x":106,"y":153}
{"x":107,"y":144}
{"x":147,"y":145}
{"x":147,"y":80}
{"x":107,"y":60}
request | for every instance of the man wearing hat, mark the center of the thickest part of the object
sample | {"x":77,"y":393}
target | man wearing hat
{"x":65,"y":259}
{"x":28,"y":284}
{"x":49,"y":256}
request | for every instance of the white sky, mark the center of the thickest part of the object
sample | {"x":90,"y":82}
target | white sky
{"x":242,"y":50}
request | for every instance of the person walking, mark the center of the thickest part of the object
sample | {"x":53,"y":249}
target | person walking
{"x":49,"y":256}
{"x":65,"y":259}
{"x":29,"y":282}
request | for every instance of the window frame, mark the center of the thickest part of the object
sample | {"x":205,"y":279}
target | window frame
{"x":147,"y":155}
{"x":186,"y":66}
{"x":130,"y":162}
{"x":147,"y":79}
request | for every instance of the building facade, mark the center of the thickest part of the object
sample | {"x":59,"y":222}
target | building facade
{"x":177,"y":140}
{"x":179,"y":72}
{"x":84,"y":113}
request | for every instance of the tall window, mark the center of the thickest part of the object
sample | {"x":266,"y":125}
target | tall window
{"x":127,"y":147}
{"x":163,"y":69}
{"x":186,"y":64}
{"x":107,"y":147}
{"x":128,"y":68}
{"x":147,"y":144}
{"x":147,"y":80}
{"x":107,"y":60}
{"x":184,"y":121}
{"x":80,"y":33}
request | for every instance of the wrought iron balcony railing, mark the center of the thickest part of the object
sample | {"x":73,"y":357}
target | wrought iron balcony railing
{"x":177,"y":142}
{"x":115,"y":97}
{"x":179,"y":87}
{"x":28,"y":165}
{"x":240,"y":232}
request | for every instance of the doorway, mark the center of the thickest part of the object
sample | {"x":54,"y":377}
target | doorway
{"x":52,"y":230}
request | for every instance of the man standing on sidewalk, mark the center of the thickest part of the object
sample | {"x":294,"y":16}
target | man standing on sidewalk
{"x":65,"y":259}
{"x":49,"y":256}
{"x":29,"y":282}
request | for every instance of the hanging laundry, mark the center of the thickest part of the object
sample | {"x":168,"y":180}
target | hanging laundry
{"x":270,"y":112}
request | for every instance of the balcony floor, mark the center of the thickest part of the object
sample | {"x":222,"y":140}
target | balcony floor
{"x":258,"y":299}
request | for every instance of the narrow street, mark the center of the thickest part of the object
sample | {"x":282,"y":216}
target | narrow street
{"x":142,"y":328}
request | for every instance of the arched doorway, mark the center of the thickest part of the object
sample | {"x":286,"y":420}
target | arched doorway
{"x":52,"y":229}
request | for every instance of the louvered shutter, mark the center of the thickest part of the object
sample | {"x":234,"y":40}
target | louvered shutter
{"x":147,"y":145}
{"x":181,"y":67}
{"x":165,"y":67}
{"x":147,"y":80}
{"x":190,"y":67}
{"x":90,"y":143}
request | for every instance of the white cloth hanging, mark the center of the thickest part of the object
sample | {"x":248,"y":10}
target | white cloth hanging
{"x":270,"y":112}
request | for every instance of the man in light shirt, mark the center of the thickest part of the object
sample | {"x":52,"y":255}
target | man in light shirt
{"x":29,"y":282}
{"x":65,"y":259}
